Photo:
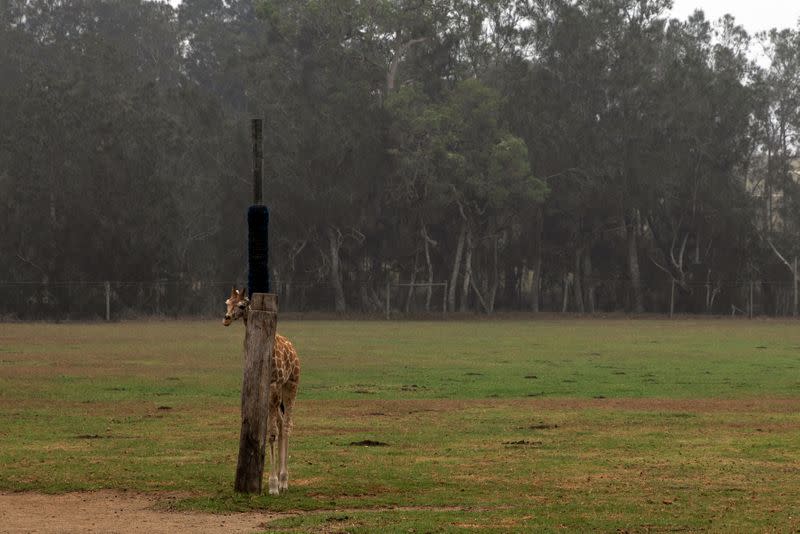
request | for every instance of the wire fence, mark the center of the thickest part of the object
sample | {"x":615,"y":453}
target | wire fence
{"x":120,"y":300}
{"x":116,"y":300}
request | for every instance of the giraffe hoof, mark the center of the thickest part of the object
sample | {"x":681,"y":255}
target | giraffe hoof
{"x":273,"y":486}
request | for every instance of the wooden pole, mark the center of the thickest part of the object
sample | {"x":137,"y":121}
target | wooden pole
{"x":257,"y":161}
{"x":108,"y":301}
{"x":259,"y":339}
{"x":672,"y":299}
{"x":259,"y":344}
{"x":750,"y":310}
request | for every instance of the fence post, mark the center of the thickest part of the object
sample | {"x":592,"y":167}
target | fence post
{"x":259,"y":343}
{"x":108,"y":300}
{"x":672,"y":299}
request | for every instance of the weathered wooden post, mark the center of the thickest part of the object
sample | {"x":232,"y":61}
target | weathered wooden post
{"x":262,"y":319}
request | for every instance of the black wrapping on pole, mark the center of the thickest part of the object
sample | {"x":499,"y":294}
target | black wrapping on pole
{"x":258,"y":249}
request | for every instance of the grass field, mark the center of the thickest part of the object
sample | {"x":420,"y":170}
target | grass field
{"x":512,"y":425}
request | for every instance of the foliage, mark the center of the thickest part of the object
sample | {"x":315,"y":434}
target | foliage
{"x":500,"y":145}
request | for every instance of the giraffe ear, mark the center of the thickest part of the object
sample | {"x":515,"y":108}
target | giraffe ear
{"x":233,"y":291}
{"x":244,"y":294}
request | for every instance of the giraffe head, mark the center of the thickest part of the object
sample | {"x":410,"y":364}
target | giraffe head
{"x":236,"y":306}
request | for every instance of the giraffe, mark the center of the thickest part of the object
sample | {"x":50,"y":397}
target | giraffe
{"x":283,"y":384}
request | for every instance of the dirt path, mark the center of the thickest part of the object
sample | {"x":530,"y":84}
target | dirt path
{"x":113,"y":512}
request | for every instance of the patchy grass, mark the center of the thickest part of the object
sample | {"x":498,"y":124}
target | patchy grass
{"x":505,"y":425}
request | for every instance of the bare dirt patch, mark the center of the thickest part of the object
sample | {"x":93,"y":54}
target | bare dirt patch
{"x":368,"y":443}
{"x":114,"y":512}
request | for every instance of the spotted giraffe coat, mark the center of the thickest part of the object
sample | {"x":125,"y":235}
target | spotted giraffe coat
{"x":283,"y":384}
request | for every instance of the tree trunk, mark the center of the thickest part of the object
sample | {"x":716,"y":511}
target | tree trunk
{"x":410,"y":294}
{"x":451,"y":297}
{"x":795,"y":276}
{"x":480,"y":298}
{"x":633,"y":267}
{"x":587,"y":279}
{"x":489,"y":290}
{"x":537,"y":262}
{"x":511,"y":286}
{"x":467,"y":273}
{"x":366,"y":301}
{"x":537,"y":282}
{"x":768,"y":191}
{"x":697,"y":248}
{"x":294,"y":252}
{"x":429,"y":292}
{"x":287,"y":295}
{"x":495,"y":278}
{"x":335,"y":243}
{"x":565,"y":299}
{"x":391,"y":74}
{"x":578,"y":286}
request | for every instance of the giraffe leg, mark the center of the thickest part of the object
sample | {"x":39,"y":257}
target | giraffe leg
{"x":273,"y":462}
{"x":283,"y":476}
{"x":275,"y":423}
{"x":289,"y":394}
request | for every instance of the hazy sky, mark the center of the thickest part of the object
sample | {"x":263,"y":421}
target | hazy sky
{"x":754,"y":15}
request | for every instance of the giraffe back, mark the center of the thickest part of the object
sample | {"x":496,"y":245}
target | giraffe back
{"x":286,"y":363}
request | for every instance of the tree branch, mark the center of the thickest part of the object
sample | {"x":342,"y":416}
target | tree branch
{"x":478,"y":294}
{"x":661,"y":267}
{"x":395,"y":64}
{"x":780,"y":256}
{"x":32,"y":264}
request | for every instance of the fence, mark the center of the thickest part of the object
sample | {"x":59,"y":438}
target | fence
{"x":116,"y":300}
{"x":668,"y":297}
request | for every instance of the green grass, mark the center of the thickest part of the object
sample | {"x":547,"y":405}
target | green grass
{"x":503,"y":425}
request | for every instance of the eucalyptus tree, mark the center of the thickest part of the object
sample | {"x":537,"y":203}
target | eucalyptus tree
{"x":571,"y":97}
{"x":702,"y":116}
{"x":223,"y":45}
{"x":404,"y":139}
{"x":778,"y":119}
{"x":326,"y":87}
{"x":419,"y":140}
{"x":488,"y":174}
{"x":91,"y":71}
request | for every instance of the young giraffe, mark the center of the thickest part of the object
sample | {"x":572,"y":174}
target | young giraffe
{"x":282,"y":392}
